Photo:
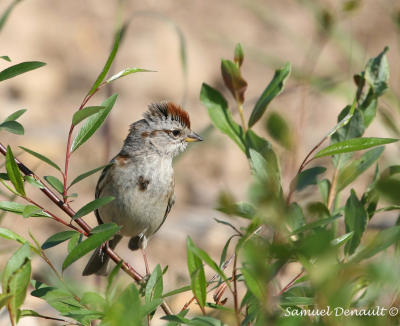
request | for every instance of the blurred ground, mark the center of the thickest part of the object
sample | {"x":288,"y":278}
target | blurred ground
{"x":74,"y":37}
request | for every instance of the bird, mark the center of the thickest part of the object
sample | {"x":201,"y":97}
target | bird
{"x":141,"y":180}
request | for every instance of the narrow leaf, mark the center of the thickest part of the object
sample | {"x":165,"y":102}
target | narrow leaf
{"x":94,"y":241}
{"x":31,"y":180}
{"x":86,"y":174}
{"x":220,"y":115}
{"x":118,"y":35}
{"x":84,"y":113}
{"x":41,"y":157}
{"x":58,"y":238}
{"x":13,"y":127}
{"x":279,"y":130}
{"x":353,"y":170}
{"x":13,"y":172}
{"x":30,"y":210}
{"x":5,"y":57}
{"x":352,"y":145}
{"x":20,"y":69}
{"x":382,"y":240}
{"x":197,"y":275}
{"x":273,"y":89}
{"x":355,"y":219}
{"x":18,"y":208}
{"x":93,"y":123}
{"x":93,"y":205}
{"x":127,"y":72}
{"x":10,"y":235}
{"x":308,"y":177}
{"x":55,"y":183}
{"x":14,"y":116}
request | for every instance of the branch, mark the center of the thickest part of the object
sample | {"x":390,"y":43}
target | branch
{"x":70,"y":212}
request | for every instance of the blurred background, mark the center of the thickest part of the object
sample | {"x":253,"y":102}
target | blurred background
{"x":326,"y":42}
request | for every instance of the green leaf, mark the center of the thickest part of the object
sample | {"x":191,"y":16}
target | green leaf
{"x":4,"y":298}
{"x":20,"y":68}
{"x":316,"y":224}
{"x":16,"y":277}
{"x":127,"y":72}
{"x":86,"y":174}
{"x":84,"y":113}
{"x":390,"y":189}
{"x":220,"y":115}
{"x":239,"y":55}
{"x":273,"y":89}
{"x":14,"y":116}
{"x":30,"y":210}
{"x":13,"y":127}
{"x":10,"y":235}
{"x":377,"y":73}
{"x":295,"y":217}
{"x":93,"y":123}
{"x":111,"y":277}
{"x":13,"y":172}
{"x":308,"y":177}
{"x":118,"y":35}
{"x":18,"y":208}
{"x":353,"y":170}
{"x":100,"y":234}
{"x":355,"y":219}
{"x":352,"y":145}
{"x":207,"y":259}
{"x":342,"y":239}
{"x":251,"y":281}
{"x":154,"y":285}
{"x":31,"y":180}
{"x":7,"y":12}
{"x":296,"y":301}
{"x":197,"y":276}
{"x":55,"y":183}
{"x":58,"y":238}
{"x":279,"y":130}
{"x":74,"y":241}
{"x":233,"y":79}
{"x":121,"y":312}
{"x":41,"y":157}
{"x":381,"y":241}
{"x":6,"y":58}
{"x":94,"y":300}
{"x":93,"y":205}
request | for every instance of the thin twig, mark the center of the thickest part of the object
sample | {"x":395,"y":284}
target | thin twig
{"x":291,"y":282}
{"x":69,"y":211}
{"x":303,"y":164}
{"x":235,"y":293}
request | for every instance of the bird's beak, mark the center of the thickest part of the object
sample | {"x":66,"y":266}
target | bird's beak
{"x":192,"y":137}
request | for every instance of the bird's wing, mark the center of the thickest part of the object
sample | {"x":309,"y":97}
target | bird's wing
{"x":171,"y":202}
{"x":100,"y":186}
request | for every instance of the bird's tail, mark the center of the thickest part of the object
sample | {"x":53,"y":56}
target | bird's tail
{"x":99,"y":261}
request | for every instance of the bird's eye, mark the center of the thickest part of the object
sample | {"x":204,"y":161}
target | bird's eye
{"x":176,"y":132}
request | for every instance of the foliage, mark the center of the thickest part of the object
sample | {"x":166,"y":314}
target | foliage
{"x":341,"y":267}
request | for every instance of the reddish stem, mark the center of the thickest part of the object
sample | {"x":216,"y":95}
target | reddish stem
{"x":291,"y":283}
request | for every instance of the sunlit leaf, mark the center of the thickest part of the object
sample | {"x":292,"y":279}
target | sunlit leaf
{"x":41,"y":157}
{"x":55,"y":183}
{"x":20,"y":68}
{"x":84,"y":113}
{"x":100,"y":234}
{"x":13,"y":127}
{"x":13,"y":172}
{"x":352,"y":145}
{"x":93,"y":205}
{"x":127,"y":72}
{"x":93,"y":123}
{"x":273,"y":89}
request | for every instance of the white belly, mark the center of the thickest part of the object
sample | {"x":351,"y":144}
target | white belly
{"x":136,"y":209}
